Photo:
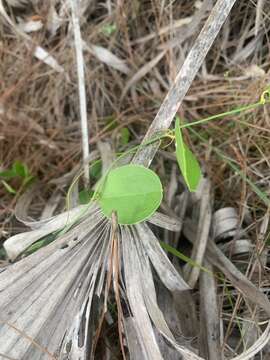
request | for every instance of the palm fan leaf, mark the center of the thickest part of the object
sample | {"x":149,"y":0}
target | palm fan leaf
{"x":50,"y":294}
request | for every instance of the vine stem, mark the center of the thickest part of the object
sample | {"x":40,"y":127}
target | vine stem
{"x":218,"y":116}
{"x":184,"y":78}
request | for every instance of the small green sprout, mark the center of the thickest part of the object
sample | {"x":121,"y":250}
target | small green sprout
{"x":109,"y":29}
{"x":18,"y":171}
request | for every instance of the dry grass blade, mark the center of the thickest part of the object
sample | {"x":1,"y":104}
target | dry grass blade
{"x":165,"y":222}
{"x":136,"y":301}
{"x":107,"y":57}
{"x":210,"y":337}
{"x":42,"y":55}
{"x":251,"y":330}
{"x":142,"y":72}
{"x":176,"y":25}
{"x":215,"y":256}
{"x":116,"y":269}
{"x":186,"y":310}
{"x":107,"y":155}
{"x":141,"y":295}
{"x":257,"y":346}
{"x":132,"y":336}
{"x":240,"y":281}
{"x":259,"y":15}
{"x":198,"y":251}
{"x":51,"y":205}
{"x":166,"y":271}
{"x":149,"y":292}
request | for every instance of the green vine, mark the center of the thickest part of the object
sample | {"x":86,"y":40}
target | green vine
{"x":188,"y":165}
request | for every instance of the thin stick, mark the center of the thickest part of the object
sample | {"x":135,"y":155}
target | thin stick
{"x":27,"y":337}
{"x":184,"y":78}
{"x":81,"y":85}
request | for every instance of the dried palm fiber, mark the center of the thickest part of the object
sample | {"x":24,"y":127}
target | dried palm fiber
{"x":55,"y":295}
{"x":18,"y":3}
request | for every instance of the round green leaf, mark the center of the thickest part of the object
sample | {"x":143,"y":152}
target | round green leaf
{"x":133,"y":192}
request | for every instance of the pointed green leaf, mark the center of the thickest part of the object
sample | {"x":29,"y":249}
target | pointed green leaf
{"x":133,"y":192}
{"x":8,"y":174}
{"x":8,"y":187}
{"x":95,"y":170}
{"x":40,"y":243}
{"x":187,"y":162}
{"x":109,"y":29}
{"x":20,"y":169}
{"x":125,"y":135}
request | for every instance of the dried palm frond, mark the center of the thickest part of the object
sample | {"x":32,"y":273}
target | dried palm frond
{"x":18,"y":3}
{"x":63,"y":281}
{"x":51,"y":300}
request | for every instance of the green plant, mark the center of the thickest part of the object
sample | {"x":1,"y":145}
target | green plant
{"x":183,"y":257}
{"x":40,"y":243}
{"x":85,"y":196}
{"x":187,"y":162}
{"x":132,"y":191}
{"x":117,"y":189}
{"x":109,"y":29}
{"x":125,"y":136}
{"x":18,"y":172}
